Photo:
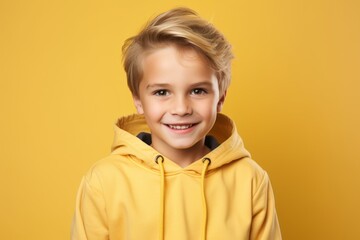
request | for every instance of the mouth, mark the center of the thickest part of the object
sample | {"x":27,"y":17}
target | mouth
{"x":180,"y":126}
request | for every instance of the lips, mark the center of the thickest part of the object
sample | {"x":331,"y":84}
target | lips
{"x":180,"y":126}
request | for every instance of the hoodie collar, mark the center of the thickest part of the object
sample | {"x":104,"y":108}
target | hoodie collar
{"x":127,"y":143}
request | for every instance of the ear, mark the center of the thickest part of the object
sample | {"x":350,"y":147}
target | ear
{"x":138,"y":104}
{"x":221,"y":102}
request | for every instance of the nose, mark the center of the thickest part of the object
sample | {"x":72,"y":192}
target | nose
{"x":181,"y":106}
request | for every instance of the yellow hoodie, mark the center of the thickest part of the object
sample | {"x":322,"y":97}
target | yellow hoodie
{"x":129,"y":195}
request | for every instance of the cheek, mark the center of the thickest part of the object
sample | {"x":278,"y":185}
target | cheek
{"x":153,"y":111}
{"x":208,"y":108}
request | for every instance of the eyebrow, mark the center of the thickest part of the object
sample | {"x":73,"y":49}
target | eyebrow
{"x":207,"y":84}
{"x":166,"y":85}
{"x":158,"y":85}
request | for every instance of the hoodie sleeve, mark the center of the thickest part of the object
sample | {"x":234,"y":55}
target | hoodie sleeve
{"x":90,"y":220}
{"x":265,"y":225}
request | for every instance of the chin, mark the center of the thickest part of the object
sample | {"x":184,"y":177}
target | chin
{"x":184,"y":146}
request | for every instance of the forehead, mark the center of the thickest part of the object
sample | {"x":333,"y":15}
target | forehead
{"x":175,"y":62}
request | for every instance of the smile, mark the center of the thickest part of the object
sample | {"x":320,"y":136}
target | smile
{"x":180,"y":127}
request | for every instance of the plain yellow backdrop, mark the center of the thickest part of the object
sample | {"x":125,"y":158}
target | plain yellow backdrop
{"x":295,"y":97}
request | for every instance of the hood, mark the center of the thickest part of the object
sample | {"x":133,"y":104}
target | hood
{"x":126,"y":143}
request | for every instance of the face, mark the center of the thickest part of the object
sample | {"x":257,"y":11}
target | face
{"x":179,"y":97}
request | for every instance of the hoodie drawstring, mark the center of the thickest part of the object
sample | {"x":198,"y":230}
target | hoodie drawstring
{"x":160,"y":161}
{"x":206,"y":162}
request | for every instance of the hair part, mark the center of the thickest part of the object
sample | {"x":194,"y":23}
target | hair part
{"x":183,"y":28}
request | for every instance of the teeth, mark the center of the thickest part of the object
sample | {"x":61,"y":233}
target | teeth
{"x":180,"y":127}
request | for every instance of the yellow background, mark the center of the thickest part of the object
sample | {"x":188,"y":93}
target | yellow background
{"x":295,"y":97}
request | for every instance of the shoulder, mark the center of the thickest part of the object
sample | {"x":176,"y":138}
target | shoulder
{"x":106,"y":168}
{"x":249,"y":167}
{"x":250,"y":172}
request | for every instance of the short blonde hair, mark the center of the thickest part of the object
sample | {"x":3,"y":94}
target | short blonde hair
{"x":181,"y":27}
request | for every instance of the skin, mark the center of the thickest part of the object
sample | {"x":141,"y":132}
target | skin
{"x":179,"y":97}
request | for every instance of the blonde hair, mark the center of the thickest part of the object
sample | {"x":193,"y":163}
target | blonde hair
{"x":181,"y":27}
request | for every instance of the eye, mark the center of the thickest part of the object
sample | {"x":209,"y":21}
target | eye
{"x":161,"y":92}
{"x":198,"y":91}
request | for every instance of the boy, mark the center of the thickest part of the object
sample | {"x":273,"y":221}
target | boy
{"x":178,"y":169}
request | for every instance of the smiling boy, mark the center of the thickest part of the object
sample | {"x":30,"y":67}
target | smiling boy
{"x":179,"y":97}
{"x":178,"y":169}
